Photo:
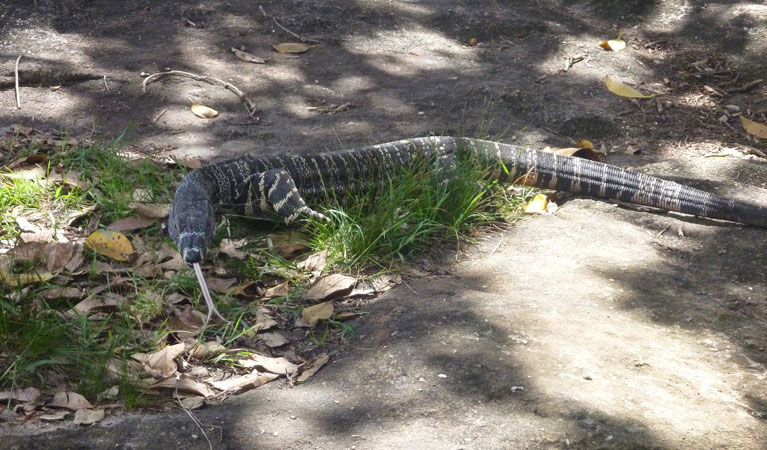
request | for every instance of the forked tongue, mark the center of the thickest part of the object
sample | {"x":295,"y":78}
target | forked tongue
{"x":206,"y":294}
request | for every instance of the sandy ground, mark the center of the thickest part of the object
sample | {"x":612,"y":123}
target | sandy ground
{"x":597,"y":327}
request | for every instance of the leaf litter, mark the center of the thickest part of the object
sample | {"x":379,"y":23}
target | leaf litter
{"x":185,"y":360}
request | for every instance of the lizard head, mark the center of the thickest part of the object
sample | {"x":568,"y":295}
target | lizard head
{"x":191,"y":225}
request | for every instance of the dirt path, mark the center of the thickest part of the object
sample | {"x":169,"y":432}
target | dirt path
{"x":598,"y":327}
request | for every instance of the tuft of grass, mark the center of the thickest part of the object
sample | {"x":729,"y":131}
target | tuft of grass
{"x":417,"y":208}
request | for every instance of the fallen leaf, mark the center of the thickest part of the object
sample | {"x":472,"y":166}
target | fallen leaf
{"x":248,"y":57}
{"x":231,"y":248}
{"x":278,"y":290}
{"x":538,"y":205}
{"x":29,"y":394}
{"x":21,"y":279}
{"x":44,"y":237}
{"x":161,"y":363}
{"x":88,"y":416}
{"x":111,"y":244}
{"x":63,"y":292}
{"x":186,"y":320}
{"x":130,"y":223}
{"x":313,"y":314}
{"x":194,"y":402}
{"x":69,"y":400}
{"x":615,"y":45}
{"x":241,"y":289}
{"x":93,"y":304}
{"x":273,"y":339}
{"x":315,"y":261}
{"x":220,"y":285}
{"x":287,"y":243}
{"x":279,"y":366}
{"x":331,"y":286}
{"x":55,"y":415}
{"x":585,"y":143}
{"x":243,"y":383}
{"x":264,"y":320}
{"x":203,"y":111}
{"x":69,"y":178}
{"x":184,"y":384}
{"x":585,"y":153}
{"x":755,"y":128}
{"x":618,"y":88}
{"x":293,"y":47}
{"x":205,"y":349}
{"x":141,"y":195}
{"x":151,"y":210}
{"x":313,"y":368}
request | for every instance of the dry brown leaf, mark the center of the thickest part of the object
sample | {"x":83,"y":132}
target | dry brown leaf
{"x":29,"y":394}
{"x":313,"y":314}
{"x":194,"y":402}
{"x":243,"y":383}
{"x":248,"y":57}
{"x":63,"y":292}
{"x":186,"y":320}
{"x":141,"y":195}
{"x":293,"y":47}
{"x":316,"y":261}
{"x":279,"y":366}
{"x":130,"y":223}
{"x":331,"y":286}
{"x":264,"y":320}
{"x":287,"y":243}
{"x":205,"y":349}
{"x":203,"y":111}
{"x":161,"y":363}
{"x":69,"y":400}
{"x":59,"y":414}
{"x":151,"y":210}
{"x":43,"y":237}
{"x":241,"y":289}
{"x":220,"y":285}
{"x":755,"y":128}
{"x":278,"y":290}
{"x":69,"y":178}
{"x":623,"y":90}
{"x":184,"y":384}
{"x":88,"y":416}
{"x":273,"y":339}
{"x":93,"y":304}
{"x":231,"y":248}
{"x":313,"y":368}
{"x":111,"y":244}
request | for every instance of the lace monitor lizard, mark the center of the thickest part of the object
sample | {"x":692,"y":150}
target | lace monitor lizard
{"x":253,"y":184}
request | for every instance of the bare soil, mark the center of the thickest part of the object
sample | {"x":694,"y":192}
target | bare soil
{"x":597,"y":327}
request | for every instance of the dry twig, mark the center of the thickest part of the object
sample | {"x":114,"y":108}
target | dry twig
{"x":106,"y":85}
{"x":269,"y":16}
{"x":158,"y":116}
{"x":746,"y":87}
{"x":249,"y":105}
{"x":194,"y":419}
{"x":18,"y":98}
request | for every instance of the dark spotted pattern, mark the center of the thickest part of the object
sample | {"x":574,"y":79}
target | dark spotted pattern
{"x":254,"y":185}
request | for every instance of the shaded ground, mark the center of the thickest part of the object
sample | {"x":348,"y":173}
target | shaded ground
{"x":596,"y":327}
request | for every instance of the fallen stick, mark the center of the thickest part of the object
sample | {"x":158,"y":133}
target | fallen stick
{"x":269,"y":16}
{"x":18,"y":98}
{"x":249,"y":106}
